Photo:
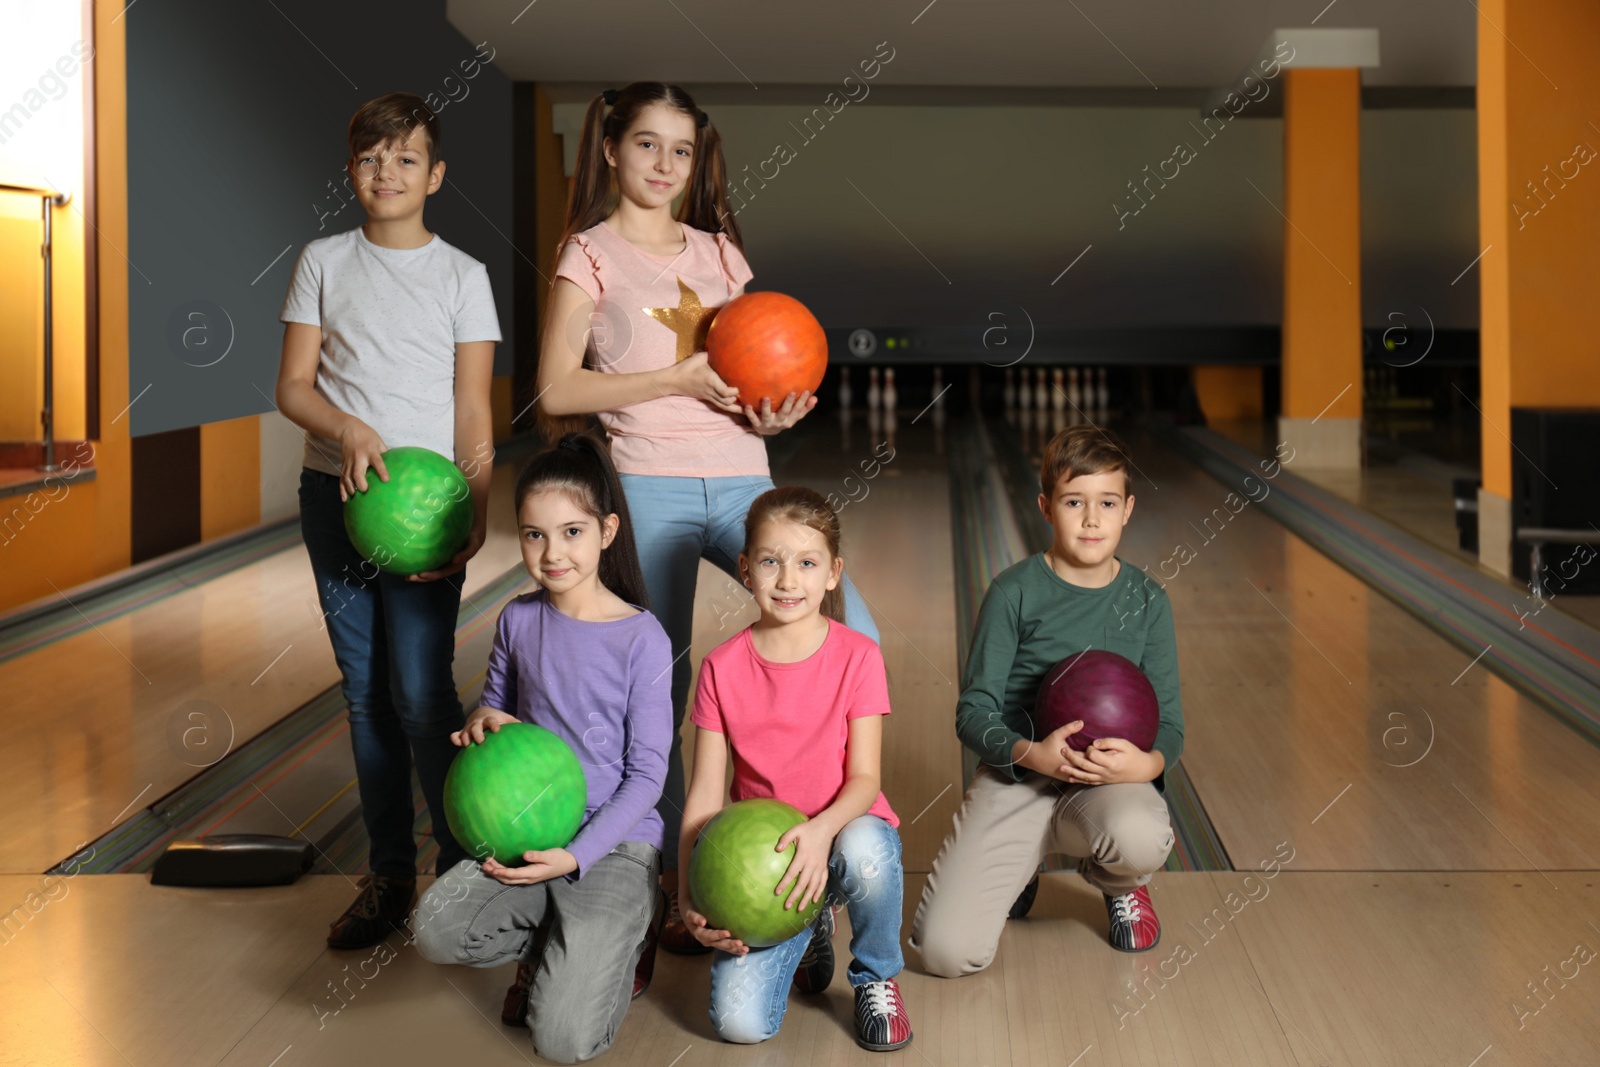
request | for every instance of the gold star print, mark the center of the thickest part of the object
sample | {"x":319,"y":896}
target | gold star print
{"x":690,"y":320}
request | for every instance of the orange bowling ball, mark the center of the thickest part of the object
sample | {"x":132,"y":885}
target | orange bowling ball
{"x":767,"y":345}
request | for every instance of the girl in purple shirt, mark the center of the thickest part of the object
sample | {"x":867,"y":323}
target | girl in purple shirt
{"x":583,"y":658}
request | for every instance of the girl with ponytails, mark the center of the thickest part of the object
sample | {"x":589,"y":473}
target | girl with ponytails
{"x":633,"y":293}
{"x":583,"y":658}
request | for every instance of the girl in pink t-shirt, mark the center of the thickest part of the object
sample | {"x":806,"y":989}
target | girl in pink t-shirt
{"x":632,"y":295}
{"x":798,"y":699}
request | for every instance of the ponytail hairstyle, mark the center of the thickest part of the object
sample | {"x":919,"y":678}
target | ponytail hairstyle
{"x":579,"y":465}
{"x":797,"y":504}
{"x":593,"y":192}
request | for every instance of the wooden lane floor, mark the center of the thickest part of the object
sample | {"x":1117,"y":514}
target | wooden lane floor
{"x":1408,"y":969}
{"x":97,"y":719}
{"x":1326,"y":961}
{"x":1320,"y":712}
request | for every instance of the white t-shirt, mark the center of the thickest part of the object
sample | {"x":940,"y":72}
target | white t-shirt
{"x":390,"y":318}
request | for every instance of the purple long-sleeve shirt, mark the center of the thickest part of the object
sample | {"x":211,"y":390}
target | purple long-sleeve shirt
{"x":605,"y":688}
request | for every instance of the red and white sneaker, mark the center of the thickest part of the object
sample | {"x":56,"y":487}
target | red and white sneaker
{"x":882,"y":1024}
{"x":1134,"y":926}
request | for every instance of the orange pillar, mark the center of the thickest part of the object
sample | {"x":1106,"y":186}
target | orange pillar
{"x":1538,"y":208}
{"x":230,"y":476}
{"x":1228,"y":394}
{"x":1321,"y":417}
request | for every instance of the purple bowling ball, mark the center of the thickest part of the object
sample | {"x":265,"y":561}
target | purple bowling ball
{"x":1107,"y":691}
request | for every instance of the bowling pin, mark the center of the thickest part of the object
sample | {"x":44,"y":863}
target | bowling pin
{"x":1041,"y":391}
{"x":890,"y":397}
{"x":844,"y":390}
{"x":1058,"y":392}
{"x":874,"y":391}
{"x":1074,"y":391}
{"x":1010,"y":395}
{"x":1102,"y":393}
{"x":938,"y":389}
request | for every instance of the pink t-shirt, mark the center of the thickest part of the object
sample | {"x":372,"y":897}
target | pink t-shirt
{"x":787,"y":723}
{"x":650,"y":312}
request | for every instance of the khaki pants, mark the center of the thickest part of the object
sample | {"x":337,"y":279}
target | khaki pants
{"x":1122,"y":832}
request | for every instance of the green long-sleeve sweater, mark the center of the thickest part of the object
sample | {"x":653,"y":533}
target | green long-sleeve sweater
{"x":1031,"y":619}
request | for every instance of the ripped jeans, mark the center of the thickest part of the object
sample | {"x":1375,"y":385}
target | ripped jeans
{"x":750,"y":993}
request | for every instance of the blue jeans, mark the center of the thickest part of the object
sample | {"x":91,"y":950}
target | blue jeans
{"x":677,"y":522}
{"x":750,"y":993}
{"x":394,"y":641}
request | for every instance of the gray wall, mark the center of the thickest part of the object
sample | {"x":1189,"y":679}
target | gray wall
{"x":941,"y":215}
{"x":237,"y":115}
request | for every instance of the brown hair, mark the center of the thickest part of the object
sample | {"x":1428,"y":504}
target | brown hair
{"x":395,"y":115}
{"x":580,"y":466}
{"x":796,"y":503}
{"x":705,"y":201}
{"x":1083,"y":449}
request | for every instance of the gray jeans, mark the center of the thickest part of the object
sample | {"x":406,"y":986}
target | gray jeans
{"x":584,"y":982}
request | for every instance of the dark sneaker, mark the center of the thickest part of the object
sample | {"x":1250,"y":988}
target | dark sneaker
{"x":514,"y":1012}
{"x":816,"y":966}
{"x":382,"y":906}
{"x":882,"y":1024}
{"x":1024,"y":902}
{"x":646,"y":967}
{"x":675,"y":936}
{"x":1134,"y":926}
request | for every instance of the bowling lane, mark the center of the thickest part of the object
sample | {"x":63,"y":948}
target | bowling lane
{"x":102,"y":724}
{"x":1322,"y":714}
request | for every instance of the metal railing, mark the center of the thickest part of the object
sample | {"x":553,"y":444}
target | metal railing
{"x":1536,"y":537}
{"x":47,"y":198}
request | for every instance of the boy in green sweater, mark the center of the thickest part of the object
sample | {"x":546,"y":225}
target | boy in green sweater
{"x":1034,"y":797}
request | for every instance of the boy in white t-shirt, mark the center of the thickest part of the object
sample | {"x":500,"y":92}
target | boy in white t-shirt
{"x":389,"y":341}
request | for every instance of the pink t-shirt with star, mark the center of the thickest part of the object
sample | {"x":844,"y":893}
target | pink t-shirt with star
{"x":650,"y":312}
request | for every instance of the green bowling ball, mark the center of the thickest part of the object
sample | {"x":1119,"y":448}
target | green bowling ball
{"x":521,"y":789}
{"x":734,"y":870}
{"x":416,"y":521}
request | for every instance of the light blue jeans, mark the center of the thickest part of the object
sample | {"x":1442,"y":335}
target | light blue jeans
{"x":677,"y":522}
{"x":750,"y":993}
